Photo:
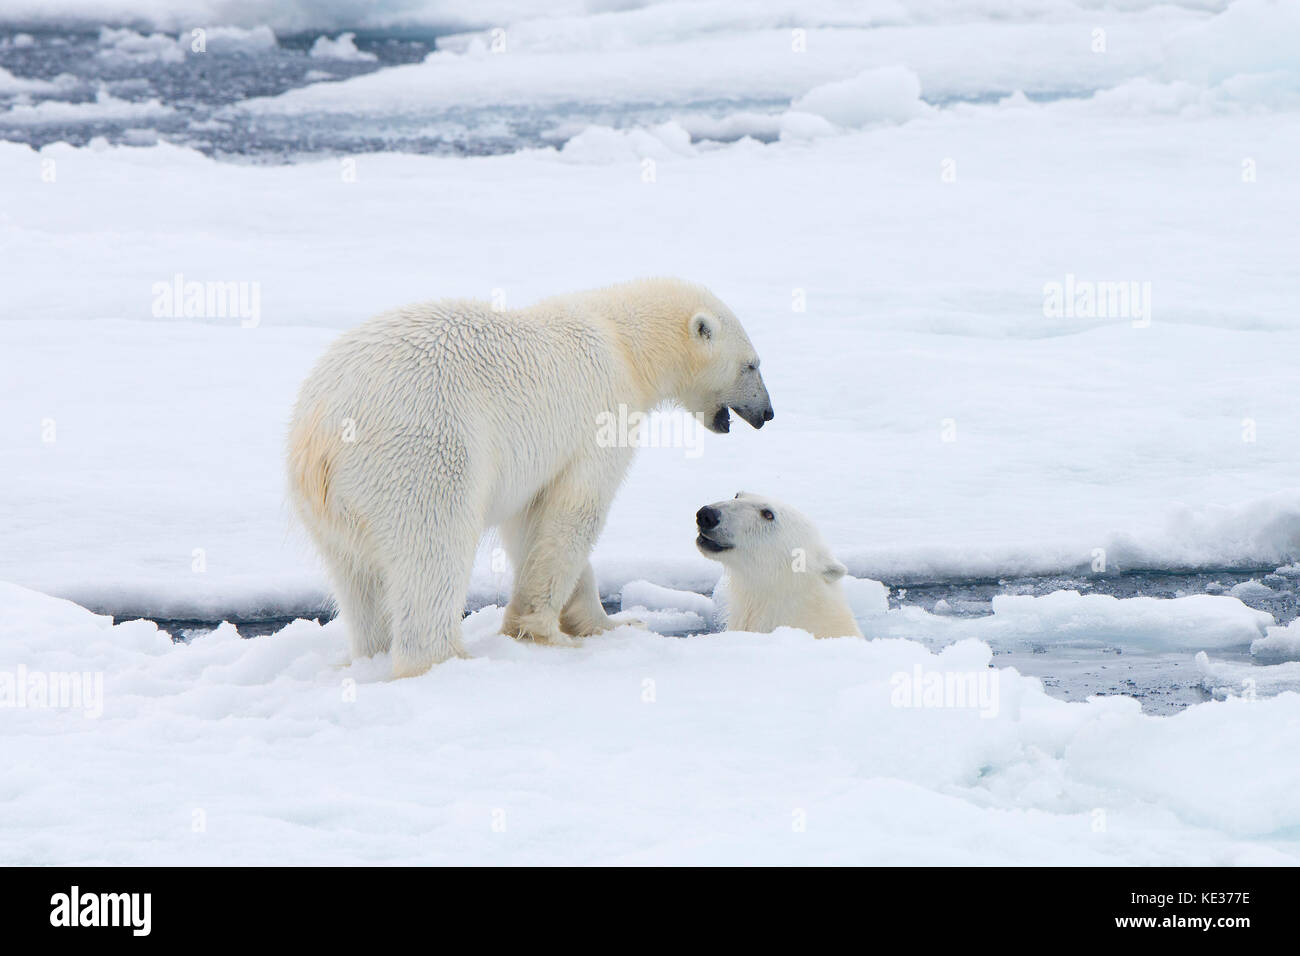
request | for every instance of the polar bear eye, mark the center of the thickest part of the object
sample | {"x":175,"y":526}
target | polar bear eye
{"x":767,"y":515}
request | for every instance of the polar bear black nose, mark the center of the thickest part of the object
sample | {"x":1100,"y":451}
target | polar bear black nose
{"x":707,"y":518}
{"x":768,"y":414}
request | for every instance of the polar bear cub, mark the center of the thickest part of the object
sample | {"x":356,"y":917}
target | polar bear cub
{"x":425,"y":426}
{"x":779,"y":571}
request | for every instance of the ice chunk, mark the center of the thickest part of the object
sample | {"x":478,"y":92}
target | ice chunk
{"x":654,"y":597}
{"x":1252,"y":591}
{"x":1252,"y":681}
{"x":1279,"y":644}
{"x":866,"y":598}
{"x":344,"y":48}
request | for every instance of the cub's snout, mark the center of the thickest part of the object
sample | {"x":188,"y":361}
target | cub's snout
{"x":712,"y":538}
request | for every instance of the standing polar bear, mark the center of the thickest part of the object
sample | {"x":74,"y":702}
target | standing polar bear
{"x":779,"y":571}
{"x":426,"y":425}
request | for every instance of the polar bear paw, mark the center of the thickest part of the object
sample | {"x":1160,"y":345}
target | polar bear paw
{"x":625,"y":620}
{"x":537,"y":629}
{"x":549,"y":638}
{"x":590,"y":626}
{"x":417,"y":661}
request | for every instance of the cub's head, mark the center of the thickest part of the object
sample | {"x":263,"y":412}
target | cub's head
{"x":722,"y":369}
{"x":763,"y":540}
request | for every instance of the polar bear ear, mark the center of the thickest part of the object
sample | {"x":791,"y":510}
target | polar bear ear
{"x":832,"y":571}
{"x":703,"y":326}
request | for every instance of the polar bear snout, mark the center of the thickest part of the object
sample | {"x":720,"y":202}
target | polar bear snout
{"x":755,"y":415}
{"x":752,"y":403}
{"x":710,"y":540}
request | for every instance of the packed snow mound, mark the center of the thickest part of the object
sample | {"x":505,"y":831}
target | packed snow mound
{"x":801,"y":750}
{"x":602,"y":144}
{"x":1248,"y":37}
{"x":795,"y":126}
{"x":889,"y":94}
{"x":1147,"y":97}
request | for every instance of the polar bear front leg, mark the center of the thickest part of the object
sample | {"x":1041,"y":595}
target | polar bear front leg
{"x":534,"y":613}
{"x":584,"y":615}
{"x":557,"y":532}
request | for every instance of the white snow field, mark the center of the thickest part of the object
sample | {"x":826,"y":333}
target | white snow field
{"x":914,"y":248}
{"x":731,"y":748}
{"x":1167,"y":445}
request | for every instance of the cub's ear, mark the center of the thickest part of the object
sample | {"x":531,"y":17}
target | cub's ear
{"x":703,"y":326}
{"x":832,"y":571}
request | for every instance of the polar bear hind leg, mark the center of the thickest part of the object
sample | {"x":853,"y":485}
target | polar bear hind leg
{"x":426,"y":596}
{"x":428,"y":548}
{"x":362,"y":598}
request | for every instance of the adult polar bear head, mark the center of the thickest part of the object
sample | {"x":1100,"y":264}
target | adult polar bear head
{"x":723,"y":371}
{"x":690,"y":349}
{"x":779,"y":570}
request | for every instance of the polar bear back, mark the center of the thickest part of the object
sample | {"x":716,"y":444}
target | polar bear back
{"x":518,"y":391}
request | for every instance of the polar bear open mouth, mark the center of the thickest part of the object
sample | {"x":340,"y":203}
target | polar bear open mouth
{"x":708,"y":544}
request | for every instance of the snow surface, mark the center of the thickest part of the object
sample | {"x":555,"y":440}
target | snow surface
{"x":784,"y":749}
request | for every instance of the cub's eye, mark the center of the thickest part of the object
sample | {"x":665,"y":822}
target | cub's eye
{"x":751,"y":367}
{"x":767,"y":515}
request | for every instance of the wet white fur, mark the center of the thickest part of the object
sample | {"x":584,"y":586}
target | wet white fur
{"x":779,"y":572}
{"x":426,"y":425}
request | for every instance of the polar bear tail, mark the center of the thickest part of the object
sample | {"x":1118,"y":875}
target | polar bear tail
{"x":311,"y":464}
